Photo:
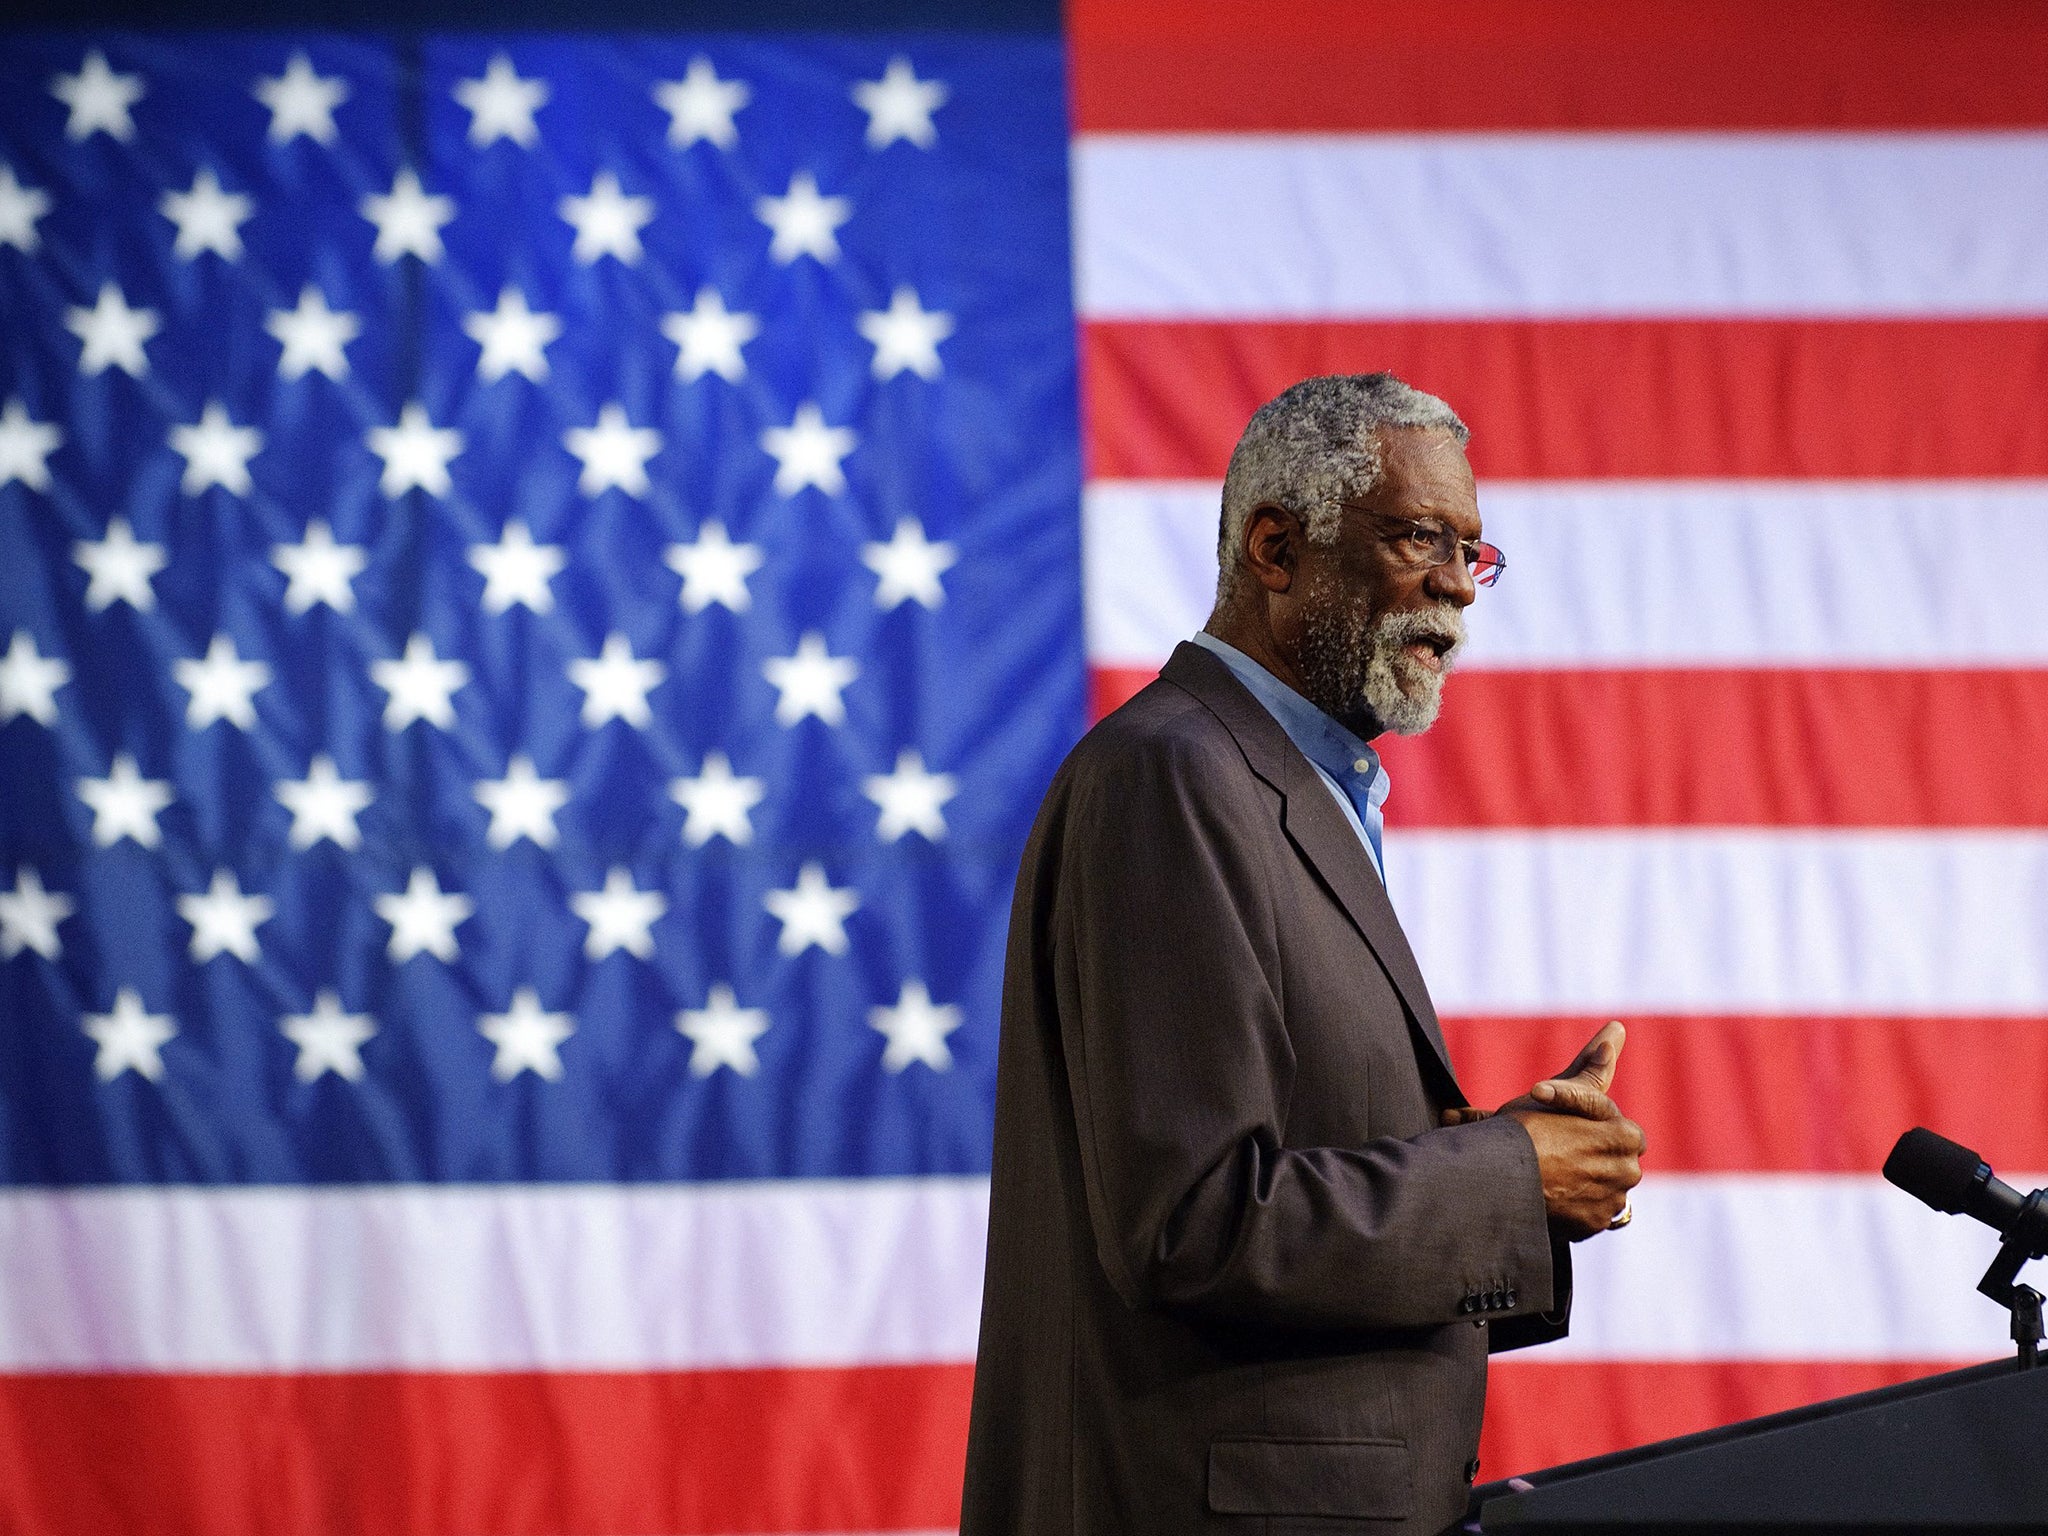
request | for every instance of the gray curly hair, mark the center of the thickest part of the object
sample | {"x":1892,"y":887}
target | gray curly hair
{"x":1311,"y":446}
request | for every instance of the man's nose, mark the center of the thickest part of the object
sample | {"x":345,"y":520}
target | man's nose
{"x":1452,"y":581}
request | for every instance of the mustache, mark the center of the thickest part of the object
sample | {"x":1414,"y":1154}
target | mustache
{"x":1444,"y":624}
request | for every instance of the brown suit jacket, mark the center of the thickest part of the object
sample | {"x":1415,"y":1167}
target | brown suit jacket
{"x":1234,"y":1265}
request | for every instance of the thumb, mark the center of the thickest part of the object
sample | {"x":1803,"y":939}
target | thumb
{"x":1575,"y":1096}
{"x":1597,"y":1060}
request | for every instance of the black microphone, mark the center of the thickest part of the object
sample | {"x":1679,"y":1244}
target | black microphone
{"x":1954,"y":1179}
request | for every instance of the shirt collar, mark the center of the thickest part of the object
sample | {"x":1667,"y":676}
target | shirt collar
{"x":1342,"y":754}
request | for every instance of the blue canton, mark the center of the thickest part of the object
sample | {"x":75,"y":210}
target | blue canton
{"x":539,"y":594}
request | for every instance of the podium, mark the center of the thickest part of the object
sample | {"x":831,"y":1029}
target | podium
{"x":1963,"y":1451}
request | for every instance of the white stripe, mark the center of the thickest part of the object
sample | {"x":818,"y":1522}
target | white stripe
{"x":1608,"y":573}
{"x":492,"y":1278}
{"x":1764,"y":1266}
{"x":1561,"y":224}
{"x":1784,"y":1267}
{"x":1723,"y":920}
{"x":1148,"y":566}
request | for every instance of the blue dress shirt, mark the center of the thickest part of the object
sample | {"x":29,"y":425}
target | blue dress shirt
{"x":1345,"y":762}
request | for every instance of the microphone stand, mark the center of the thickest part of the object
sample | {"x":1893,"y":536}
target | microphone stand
{"x":2000,"y":1281}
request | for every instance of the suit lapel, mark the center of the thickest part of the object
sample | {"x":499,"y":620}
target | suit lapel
{"x":1318,"y":830}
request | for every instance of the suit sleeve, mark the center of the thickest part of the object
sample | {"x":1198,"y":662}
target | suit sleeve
{"x":1165,"y":961}
{"x":1528,"y":1326}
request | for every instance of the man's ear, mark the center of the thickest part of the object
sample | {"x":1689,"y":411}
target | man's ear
{"x":1272,"y":546}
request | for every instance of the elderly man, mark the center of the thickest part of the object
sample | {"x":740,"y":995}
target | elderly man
{"x":1248,"y":1250}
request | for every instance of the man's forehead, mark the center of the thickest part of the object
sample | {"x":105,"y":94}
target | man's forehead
{"x":1426,"y":468}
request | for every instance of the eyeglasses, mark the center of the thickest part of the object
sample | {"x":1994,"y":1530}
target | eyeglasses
{"x":1423,"y":546}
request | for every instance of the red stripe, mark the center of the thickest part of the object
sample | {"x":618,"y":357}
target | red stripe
{"x":305,"y":1456}
{"x":1336,"y":65}
{"x":1736,"y":747}
{"x":1779,"y":747}
{"x":1595,"y":399}
{"x":1111,"y":687}
{"x":871,"y":1449}
{"x":1540,"y":1413}
{"x":1762,"y":1094}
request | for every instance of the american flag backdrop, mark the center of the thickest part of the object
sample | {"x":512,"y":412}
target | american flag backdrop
{"x":542,"y":578}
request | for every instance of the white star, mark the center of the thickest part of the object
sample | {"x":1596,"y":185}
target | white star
{"x":421,"y":686}
{"x":717,"y":804}
{"x":130,"y":1038}
{"x":900,"y":106}
{"x":301,"y":102}
{"x":700,"y":106}
{"x":124,"y":804}
{"x":312,"y":336}
{"x":501,"y":105}
{"x":528,"y":1037}
{"x":29,"y":916}
{"x":908,"y":567}
{"x":26,"y":446}
{"x":812,"y":911}
{"x":20,"y":207}
{"x":916,"y":1029}
{"x":222,"y":685}
{"x":615,"y":686}
{"x":329,"y":1039}
{"x":408,"y":219}
{"x":98,"y":98}
{"x":805,"y":224}
{"x":224,"y":921}
{"x":619,"y":916}
{"x":208,"y":218}
{"x":905,"y":335}
{"x":722,"y":1033}
{"x":809,"y":682}
{"x":424,"y":918}
{"x":522,"y":804}
{"x":216,"y":452}
{"x":512,"y":337}
{"x":415,"y":452}
{"x":517,"y":570}
{"x":709,"y":337}
{"x":613,"y":453}
{"x":29,"y":681}
{"x":607,"y":221}
{"x":112,"y":333}
{"x":119,"y":568}
{"x":325,"y":805}
{"x":714,"y":569}
{"x":318,"y":570}
{"x":910,"y":799}
{"x":807,"y":452}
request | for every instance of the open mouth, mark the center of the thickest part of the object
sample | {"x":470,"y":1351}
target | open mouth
{"x":1430,"y":652}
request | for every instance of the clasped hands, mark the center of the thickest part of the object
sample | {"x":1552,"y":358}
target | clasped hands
{"x":1588,"y":1154}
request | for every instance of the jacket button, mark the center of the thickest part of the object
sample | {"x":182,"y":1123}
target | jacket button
{"x":1468,"y":1304}
{"x":1498,"y":1299}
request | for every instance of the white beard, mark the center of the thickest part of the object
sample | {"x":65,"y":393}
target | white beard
{"x":1353,"y":663}
{"x":1399,"y":688}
